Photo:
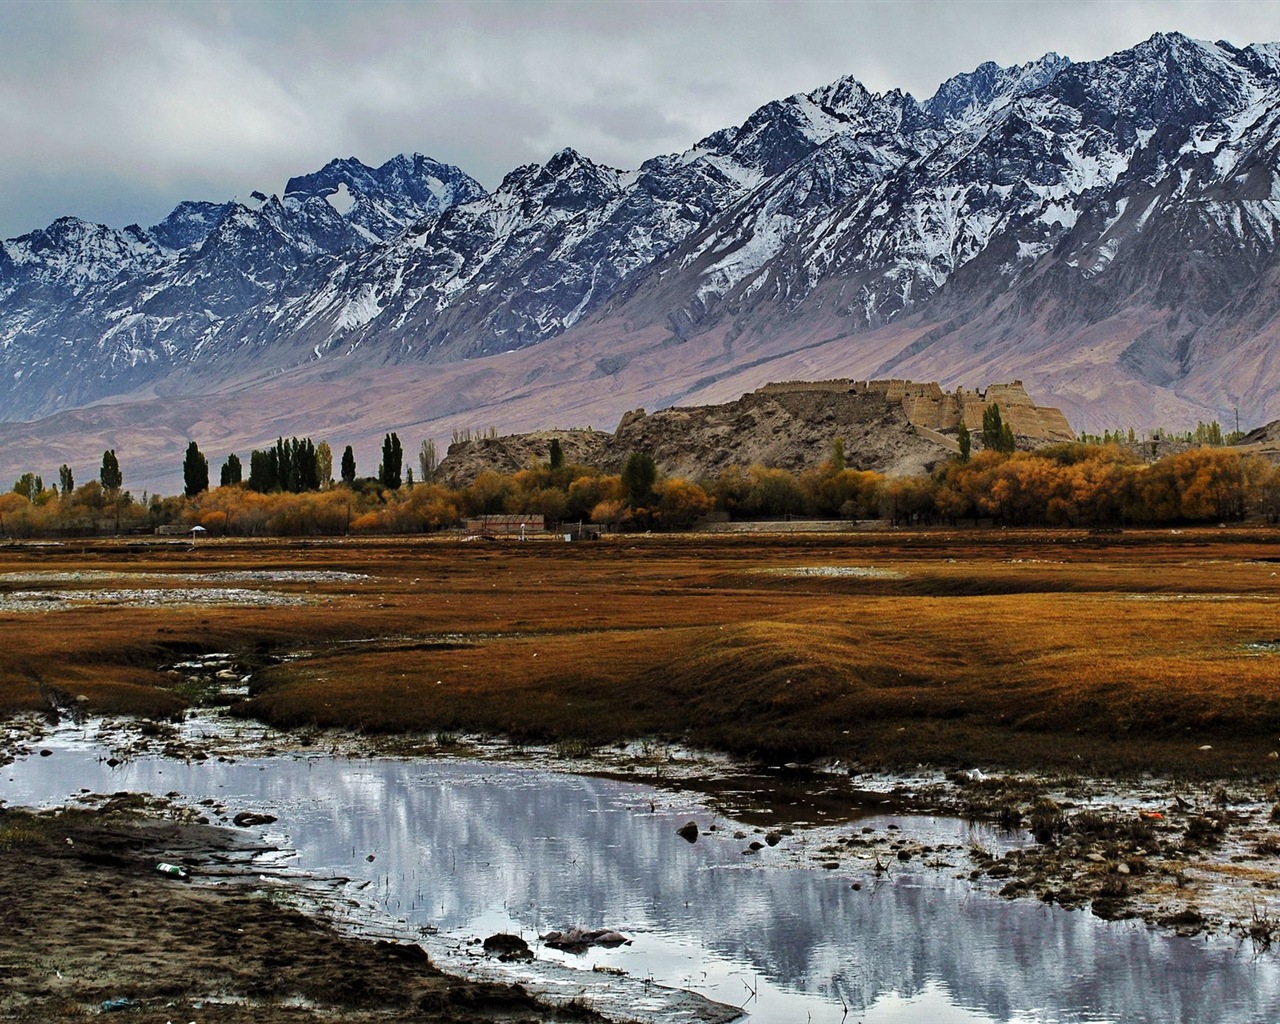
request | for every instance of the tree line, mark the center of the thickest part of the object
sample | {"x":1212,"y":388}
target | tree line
{"x":289,"y":491}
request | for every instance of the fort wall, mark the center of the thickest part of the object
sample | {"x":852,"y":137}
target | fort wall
{"x":926,"y":405}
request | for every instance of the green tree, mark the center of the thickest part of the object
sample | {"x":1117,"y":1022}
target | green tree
{"x":997,"y":436}
{"x":232,"y":471}
{"x":639,"y":474}
{"x":262,"y":471}
{"x":348,"y":466}
{"x":557,"y":454}
{"x":837,"y":455}
{"x":195,"y":471}
{"x":66,"y":482}
{"x":392,"y":459}
{"x":29,"y":486}
{"x":292,"y":465}
{"x":109,"y":475}
{"x":965,"y":440}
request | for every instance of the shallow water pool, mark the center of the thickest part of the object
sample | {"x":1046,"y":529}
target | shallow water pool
{"x":461,"y":850}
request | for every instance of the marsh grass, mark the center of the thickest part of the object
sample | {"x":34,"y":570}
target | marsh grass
{"x":992,"y":648}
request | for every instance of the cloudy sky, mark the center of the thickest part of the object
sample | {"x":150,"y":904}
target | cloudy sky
{"x":116,"y":111}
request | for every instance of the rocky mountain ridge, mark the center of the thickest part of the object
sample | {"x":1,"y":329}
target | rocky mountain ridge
{"x":1107,"y":231}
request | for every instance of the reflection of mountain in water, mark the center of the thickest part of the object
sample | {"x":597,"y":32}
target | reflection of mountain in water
{"x":452,"y":841}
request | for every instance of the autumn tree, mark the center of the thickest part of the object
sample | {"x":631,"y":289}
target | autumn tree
{"x":588,"y":490}
{"x":773,"y":492}
{"x":680,"y":503}
{"x":15,"y":515}
{"x":488,"y":494}
{"x":1269,"y":493}
{"x":848,"y":494}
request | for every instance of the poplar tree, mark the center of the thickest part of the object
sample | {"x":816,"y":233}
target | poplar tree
{"x":427,"y":460}
{"x":324,"y":463}
{"x":348,"y":466}
{"x":639,"y":474}
{"x":65,"y":480}
{"x":392,"y":458}
{"x":997,"y":436}
{"x":232,"y":471}
{"x":195,"y":471}
{"x":109,"y":475}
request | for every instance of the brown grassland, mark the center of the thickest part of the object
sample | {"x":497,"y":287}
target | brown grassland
{"x":1107,"y":653}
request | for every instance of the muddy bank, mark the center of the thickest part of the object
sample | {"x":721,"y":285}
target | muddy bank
{"x":90,"y":925}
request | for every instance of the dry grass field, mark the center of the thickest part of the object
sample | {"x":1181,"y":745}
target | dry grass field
{"x":1102,"y":653}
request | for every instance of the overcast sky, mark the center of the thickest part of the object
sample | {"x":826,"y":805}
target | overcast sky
{"x":114,"y":112}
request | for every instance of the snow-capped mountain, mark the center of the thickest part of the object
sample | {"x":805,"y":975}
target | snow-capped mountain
{"x":1106,"y":231}
{"x":88,"y":311}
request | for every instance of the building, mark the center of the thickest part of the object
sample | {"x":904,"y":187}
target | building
{"x":517,"y":526}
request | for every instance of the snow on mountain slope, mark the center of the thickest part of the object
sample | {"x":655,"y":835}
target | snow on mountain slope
{"x":1115,"y":220}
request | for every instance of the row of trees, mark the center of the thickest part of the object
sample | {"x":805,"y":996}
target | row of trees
{"x":1073,"y":484}
{"x":31,"y":485}
{"x":299,"y":465}
{"x":1210,"y":433}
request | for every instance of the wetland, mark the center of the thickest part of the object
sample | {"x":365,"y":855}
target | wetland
{"x":969,"y":775}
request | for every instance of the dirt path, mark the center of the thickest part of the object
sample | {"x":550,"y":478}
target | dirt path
{"x":89,"y":926}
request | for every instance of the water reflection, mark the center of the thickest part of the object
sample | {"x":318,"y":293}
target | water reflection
{"x":473,"y":849}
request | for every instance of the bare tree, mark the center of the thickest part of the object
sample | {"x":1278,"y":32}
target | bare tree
{"x":427,"y":460}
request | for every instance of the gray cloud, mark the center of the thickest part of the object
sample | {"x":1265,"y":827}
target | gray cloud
{"x":116,"y":111}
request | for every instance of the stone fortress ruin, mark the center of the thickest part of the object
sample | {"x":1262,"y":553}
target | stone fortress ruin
{"x":928,"y":407}
{"x":896,"y":427}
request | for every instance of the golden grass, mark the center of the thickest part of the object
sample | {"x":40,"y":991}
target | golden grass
{"x":1013,"y":648}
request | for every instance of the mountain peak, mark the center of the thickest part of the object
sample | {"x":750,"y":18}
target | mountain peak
{"x":969,"y":97}
{"x":846,"y":95}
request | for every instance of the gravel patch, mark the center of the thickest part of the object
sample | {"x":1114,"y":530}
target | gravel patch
{"x":55,"y":600}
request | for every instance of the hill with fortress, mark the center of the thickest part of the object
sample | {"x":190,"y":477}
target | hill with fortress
{"x":896,"y":427}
